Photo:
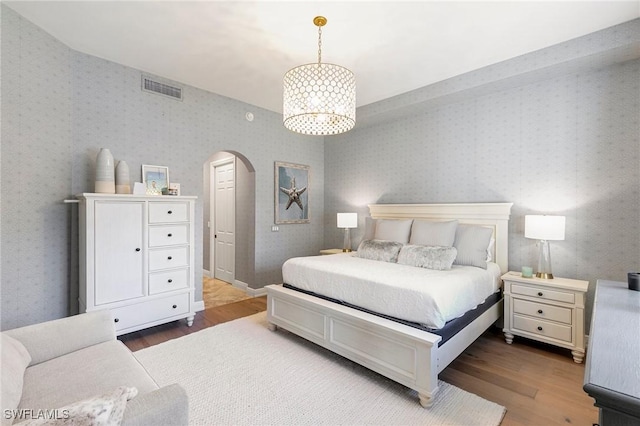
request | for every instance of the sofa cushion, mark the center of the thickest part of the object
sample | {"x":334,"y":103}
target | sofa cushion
{"x":15,"y":360}
{"x":96,"y":370}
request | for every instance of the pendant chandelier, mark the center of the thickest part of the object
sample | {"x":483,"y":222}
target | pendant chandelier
{"x":319,"y":99}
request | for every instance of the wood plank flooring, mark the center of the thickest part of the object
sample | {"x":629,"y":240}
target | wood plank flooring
{"x":539,"y":384}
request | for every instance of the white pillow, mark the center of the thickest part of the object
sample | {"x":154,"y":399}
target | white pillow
{"x":472,"y":243}
{"x":15,"y":360}
{"x":369,"y":228}
{"x":430,"y":257}
{"x":103,"y":410}
{"x":433,"y":233}
{"x":393,"y":230}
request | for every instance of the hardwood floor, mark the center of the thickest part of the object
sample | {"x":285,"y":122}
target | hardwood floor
{"x":537,"y":383}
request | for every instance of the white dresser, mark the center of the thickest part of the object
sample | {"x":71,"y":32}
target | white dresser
{"x":547,"y":310}
{"x":137,"y":258}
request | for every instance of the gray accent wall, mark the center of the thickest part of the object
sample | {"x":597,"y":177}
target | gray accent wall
{"x":555,"y":132}
{"x":60,"y":106}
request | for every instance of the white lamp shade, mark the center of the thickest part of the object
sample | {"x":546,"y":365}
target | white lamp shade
{"x":347,"y":220}
{"x":544,"y":227}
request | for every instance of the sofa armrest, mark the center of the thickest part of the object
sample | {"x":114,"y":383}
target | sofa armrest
{"x":55,"y":338}
{"x":166,"y":406}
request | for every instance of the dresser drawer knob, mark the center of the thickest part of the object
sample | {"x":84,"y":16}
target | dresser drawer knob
{"x":169,"y":280}
{"x":539,"y":311}
{"x":169,"y":212}
{"x":169,"y":258}
{"x":539,"y":328}
{"x":539,"y":293}
{"x":169,"y":235}
{"x":175,"y":306}
{"x":116,"y":320}
{"x":137,"y":248}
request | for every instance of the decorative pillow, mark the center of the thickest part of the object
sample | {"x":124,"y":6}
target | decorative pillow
{"x":15,"y":360}
{"x":393,"y":230}
{"x":433,"y":233}
{"x":472,"y":243}
{"x":430,"y":257}
{"x":490,"y":249}
{"x":369,"y":228}
{"x":104,"y":410}
{"x":386,"y":251}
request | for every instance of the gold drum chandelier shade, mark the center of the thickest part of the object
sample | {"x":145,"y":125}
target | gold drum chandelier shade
{"x":319,"y":98}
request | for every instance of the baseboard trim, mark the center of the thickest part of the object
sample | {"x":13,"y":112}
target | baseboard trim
{"x":256,"y":292}
{"x":206,"y":273}
{"x":198,"y":305}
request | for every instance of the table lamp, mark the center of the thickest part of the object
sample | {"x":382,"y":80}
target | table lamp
{"x":544,"y":228}
{"x":347,"y":221}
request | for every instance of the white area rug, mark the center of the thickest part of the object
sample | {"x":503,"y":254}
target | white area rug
{"x":242,"y":373}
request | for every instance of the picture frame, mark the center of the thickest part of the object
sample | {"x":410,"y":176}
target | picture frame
{"x":155,"y":179}
{"x":291,"y":193}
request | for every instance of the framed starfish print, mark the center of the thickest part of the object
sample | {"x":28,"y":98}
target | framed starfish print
{"x":291,"y":193}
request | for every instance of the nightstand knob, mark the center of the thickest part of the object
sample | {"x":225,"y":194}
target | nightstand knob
{"x":169,"y":257}
{"x":539,"y":328}
{"x":175,"y":306}
{"x":539,"y":311}
{"x":539,"y":293}
{"x":169,"y":280}
{"x":116,"y":320}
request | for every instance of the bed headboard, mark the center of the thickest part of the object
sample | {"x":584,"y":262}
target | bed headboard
{"x":492,"y":215}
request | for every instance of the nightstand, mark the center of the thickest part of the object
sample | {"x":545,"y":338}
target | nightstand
{"x":550,"y":311}
{"x":331,"y":251}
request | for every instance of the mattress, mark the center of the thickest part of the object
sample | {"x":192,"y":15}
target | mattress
{"x":424,"y":296}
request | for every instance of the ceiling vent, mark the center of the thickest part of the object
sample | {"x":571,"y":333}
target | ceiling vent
{"x":153,"y":86}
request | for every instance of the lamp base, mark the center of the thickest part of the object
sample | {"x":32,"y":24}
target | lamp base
{"x":544,"y":275}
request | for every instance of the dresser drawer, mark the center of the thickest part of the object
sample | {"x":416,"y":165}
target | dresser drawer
{"x":542,"y":293}
{"x":542,"y":328}
{"x":542,"y":311}
{"x":175,"y":257}
{"x":168,"y":235}
{"x":153,"y":310}
{"x":175,"y":279}
{"x":167,"y":212}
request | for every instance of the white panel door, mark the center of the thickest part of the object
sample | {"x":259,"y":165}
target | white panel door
{"x":119,"y":251}
{"x":224,"y":221}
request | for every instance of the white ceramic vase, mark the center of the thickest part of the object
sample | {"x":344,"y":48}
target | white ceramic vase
{"x":105,"y":179}
{"x":123,"y":181}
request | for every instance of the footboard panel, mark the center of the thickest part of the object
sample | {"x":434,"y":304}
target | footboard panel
{"x":399,"y":352}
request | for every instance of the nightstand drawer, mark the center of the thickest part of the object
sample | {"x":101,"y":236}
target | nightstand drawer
{"x":542,"y":311}
{"x":542,"y":328}
{"x":543,"y":293}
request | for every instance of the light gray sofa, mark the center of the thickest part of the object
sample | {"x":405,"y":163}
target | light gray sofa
{"x":79,"y":357}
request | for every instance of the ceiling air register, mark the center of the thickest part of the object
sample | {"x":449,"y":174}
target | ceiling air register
{"x":319,"y":98}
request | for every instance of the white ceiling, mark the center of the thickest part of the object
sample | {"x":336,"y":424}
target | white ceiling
{"x":242,"y":49}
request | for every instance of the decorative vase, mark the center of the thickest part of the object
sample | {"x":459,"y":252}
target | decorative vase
{"x":105,"y":180}
{"x":123,"y":182}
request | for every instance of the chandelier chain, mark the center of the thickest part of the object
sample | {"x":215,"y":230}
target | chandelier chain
{"x":319,"y":45}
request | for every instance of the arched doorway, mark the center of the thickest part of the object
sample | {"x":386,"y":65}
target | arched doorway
{"x":242,"y":178}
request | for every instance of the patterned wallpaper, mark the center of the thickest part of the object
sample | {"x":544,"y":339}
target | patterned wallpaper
{"x":549,"y":138}
{"x":59,"y":107}
{"x":566,"y":144}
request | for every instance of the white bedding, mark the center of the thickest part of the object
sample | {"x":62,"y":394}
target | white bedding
{"x":420,"y":295}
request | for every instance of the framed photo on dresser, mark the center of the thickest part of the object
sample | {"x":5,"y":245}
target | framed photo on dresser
{"x":155,"y":179}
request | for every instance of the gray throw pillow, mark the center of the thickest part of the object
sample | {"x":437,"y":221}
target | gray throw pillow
{"x":471,"y":243}
{"x":393,"y":230}
{"x":433,"y":233}
{"x":386,"y":251}
{"x":430,"y":257}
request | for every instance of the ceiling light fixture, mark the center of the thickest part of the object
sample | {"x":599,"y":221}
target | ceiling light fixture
{"x":319,"y":99}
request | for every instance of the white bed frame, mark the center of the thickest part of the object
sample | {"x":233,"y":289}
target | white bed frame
{"x":402,"y":353}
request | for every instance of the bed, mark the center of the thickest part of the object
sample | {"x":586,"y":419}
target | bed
{"x":400,"y":350}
